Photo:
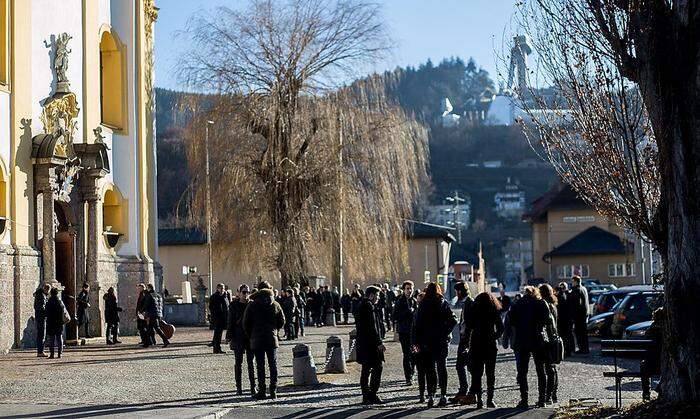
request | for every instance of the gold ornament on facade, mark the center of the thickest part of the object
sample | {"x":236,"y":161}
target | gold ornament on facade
{"x":151,"y":12}
{"x":59,"y":118}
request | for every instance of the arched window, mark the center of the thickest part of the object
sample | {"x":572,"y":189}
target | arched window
{"x":4,"y":42}
{"x":114,"y":216}
{"x":112,"y":82}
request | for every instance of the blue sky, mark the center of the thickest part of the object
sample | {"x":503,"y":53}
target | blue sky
{"x":423,"y":29}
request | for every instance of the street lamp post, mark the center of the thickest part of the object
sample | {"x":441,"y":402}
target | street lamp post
{"x":456,"y":214}
{"x":208,"y":203}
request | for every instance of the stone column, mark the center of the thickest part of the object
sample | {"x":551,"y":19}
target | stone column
{"x":90,"y":193}
{"x":46,"y":184}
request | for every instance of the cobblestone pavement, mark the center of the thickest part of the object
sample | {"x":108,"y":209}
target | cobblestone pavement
{"x":187,"y":380}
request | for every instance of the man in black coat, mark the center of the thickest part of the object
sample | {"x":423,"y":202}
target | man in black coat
{"x":289,"y":307}
{"x":218,"y":316}
{"x":565,"y":325}
{"x":41,"y":296}
{"x":154,"y":309}
{"x":83,"y":304}
{"x":404,"y":309}
{"x":262,"y":319}
{"x":346,"y":305}
{"x":239,"y":342}
{"x":112,"y":310}
{"x":369,"y":347}
{"x":578,"y":306}
{"x":465,"y":301}
{"x":390,"y":299}
{"x":528,"y":319}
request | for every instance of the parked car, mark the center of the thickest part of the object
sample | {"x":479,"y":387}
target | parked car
{"x":637,"y":331}
{"x":635,"y":308}
{"x":601,"y":287}
{"x":589,"y":282}
{"x":606,"y":301}
{"x":599,"y":325}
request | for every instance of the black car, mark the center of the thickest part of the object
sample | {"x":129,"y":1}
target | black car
{"x":635,"y":308}
{"x":599,"y":325}
{"x":605,"y":301}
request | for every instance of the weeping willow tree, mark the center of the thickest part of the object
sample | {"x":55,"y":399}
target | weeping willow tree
{"x":297,"y":166}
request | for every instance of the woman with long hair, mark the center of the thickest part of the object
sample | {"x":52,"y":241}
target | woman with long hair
{"x":483,"y":335}
{"x":550,"y":368}
{"x":431,"y":339}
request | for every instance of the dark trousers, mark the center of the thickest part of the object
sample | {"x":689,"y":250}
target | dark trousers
{"x":142,"y":325}
{"x":408,"y":363}
{"x":40,"y":333}
{"x":370,"y":378}
{"x":153,"y":329}
{"x":647,"y":369}
{"x":522,"y":362}
{"x":84,"y":321}
{"x":238,"y":367}
{"x":299,"y":324}
{"x":216,"y":339}
{"x":57,"y":340}
{"x":271,"y":355}
{"x":387,"y":318}
{"x":461,"y":366}
{"x":479,"y":363}
{"x":346,"y":316}
{"x":289,"y":330}
{"x":581,"y":333}
{"x":422,"y":366}
{"x":112,"y":330}
{"x":436,"y":374}
{"x":567,"y":335}
{"x":552,"y":374}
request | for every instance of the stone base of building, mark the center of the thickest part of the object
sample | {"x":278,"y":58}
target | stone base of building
{"x":20,"y":276}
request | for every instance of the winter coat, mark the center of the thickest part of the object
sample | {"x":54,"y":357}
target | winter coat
{"x":83,"y":303}
{"x":336,"y":301}
{"x":564,"y":320}
{"x":111,"y":309}
{"x":218,"y":310}
{"x":432,"y":327}
{"x":314,"y":302}
{"x":262,"y":319}
{"x":235,"y":333}
{"x":346,"y":303}
{"x":40,"y":300}
{"x":289,"y":307}
{"x":54,"y":316}
{"x":368,"y":335}
{"x":484,"y":333}
{"x":464,"y":323}
{"x":404,"y":309}
{"x":578,"y":302}
{"x":529,"y":318}
{"x":154,"y":305}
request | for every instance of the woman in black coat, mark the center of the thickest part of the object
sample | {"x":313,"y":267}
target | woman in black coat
{"x":112,"y":316}
{"x":550,"y":368}
{"x":54,"y":322}
{"x":369,"y":347}
{"x":432,"y":332}
{"x":483,"y":335}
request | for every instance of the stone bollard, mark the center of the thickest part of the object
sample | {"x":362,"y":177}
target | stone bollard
{"x":303,"y":367}
{"x":330,"y":318}
{"x":201,"y":303}
{"x":335,"y":356}
{"x":352,"y":357}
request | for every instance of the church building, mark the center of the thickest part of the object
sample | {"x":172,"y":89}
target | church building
{"x":77,"y":158}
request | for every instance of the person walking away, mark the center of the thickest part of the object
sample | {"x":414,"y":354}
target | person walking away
{"x":483,"y":335}
{"x":527,"y":320}
{"x":218,"y":315}
{"x":379,"y":310}
{"x":41,"y":296}
{"x":565,"y":325}
{"x":154,"y":310}
{"x":112,"y":310}
{"x":369,"y":347}
{"x":55,"y":319}
{"x":346,"y":305}
{"x":579,"y":314}
{"x":300,"y":314}
{"x":432,"y":332}
{"x":289,"y":307}
{"x":550,"y":366}
{"x":402,"y":317}
{"x":83,"y":302}
{"x":389,"y":309}
{"x":262,"y":319}
{"x":418,"y":357}
{"x":651,"y":364}
{"x":141,"y":322}
{"x":238,"y":340}
{"x":465,"y":301}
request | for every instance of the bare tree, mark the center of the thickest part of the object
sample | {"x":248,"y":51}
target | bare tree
{"x":622,"y":129}
{"x":296,"y":165}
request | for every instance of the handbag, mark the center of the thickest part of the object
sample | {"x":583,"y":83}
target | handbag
{"x":66,"y":316}
{"x":167,"y":328}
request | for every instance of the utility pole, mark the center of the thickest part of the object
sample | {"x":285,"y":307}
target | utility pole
{"x":456,"y":214}
{"x":208,"y":203}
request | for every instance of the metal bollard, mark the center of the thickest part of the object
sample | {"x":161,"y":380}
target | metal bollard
{"x":335,"y":356}
{"x":352,"y":357}
{"x":330,"y":318}
{"x":303,"y":366}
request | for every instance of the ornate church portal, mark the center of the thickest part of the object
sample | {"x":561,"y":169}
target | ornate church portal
{"x":66,"y":180}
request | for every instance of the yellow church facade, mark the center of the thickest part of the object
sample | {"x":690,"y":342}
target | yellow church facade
{"x":77,"y":157}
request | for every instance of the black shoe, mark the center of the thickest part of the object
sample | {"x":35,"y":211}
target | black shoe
{"x":421,"y":399}
{"x":442,"y":402}
{"x":239,"y":391}
{"x":166,"y":343}
{"x":490,"y":404}
{"x":109,"y":342}
{"x":117,"y":341}
{"x":541,"y":403}
{"x":259,"y":396}
{"x":366,"y":401}
{"x":479,"y":405}
{"x":523,"y":404}
{"x":273,"y":392}
{"x":554,"y":398}
{"x":431,"y":402}
{"x":253,"y":392}
{"x":376,"y":399}
{"x":409,"y":382}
